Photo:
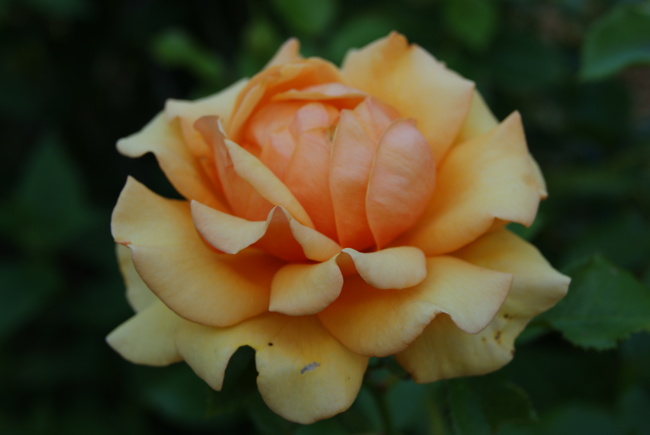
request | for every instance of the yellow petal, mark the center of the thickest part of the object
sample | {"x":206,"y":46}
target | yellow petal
{"x":137,"y":292}
{"x":181,"y":167}
{"x":416,"y":84}
{"x":401,"y":182}
{"x":391,"y":268}
{"x":380,"y":323}
{"x":305,"y":374}
{"x":486,"y":178}
{"x":251,"y":188}
{"x":279,"y":234}
{"x":444,"y":351}
{"x":481,"y":120}
{"x":182,"y":270}
{"x":304,"y":289}
{"x":148,"y":336}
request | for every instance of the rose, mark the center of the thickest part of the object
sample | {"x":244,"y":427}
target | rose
{"x":333,"y":215}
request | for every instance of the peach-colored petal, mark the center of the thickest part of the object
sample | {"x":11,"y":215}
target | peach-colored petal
{"x":391,"y":268}
{"x":482,"y":179}
{"x":305,"y":374}
{"x":148,"y":336}
{"x":181,"y":167}
{"x":351,"y":163}
{"x":480,"y":120}
{"x":445,"y":351}
{"x":276,"y":80}
{"x":303,"y":289}
{"x":288,"y":52}
{"x":417,"y":85}
{"x":380,"y":323}
{"x":280,"y":234}
{"x":182,"y":270}
{"x":137,"y":292}
{"x":344,"y":97}
{"x":401,"y":182}
{"x":251,"y":188}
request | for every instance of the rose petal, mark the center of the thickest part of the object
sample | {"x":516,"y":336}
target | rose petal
{"x":304,"y":374}
{"x":288,"y":52}
{"x":303,"y":289}
{"x":344,"y":97}
{"x":380,"y":323}
{"x":181,"y":167}
{"x":401,"y":182}
{"x":197,"y":283}
{"x":251,"y":188}
{"x":137,"y":292}
{"x":148,"y":337}
{"x":416,"y":84}
{"x":480,"y":120}
{"x":279,"y":234}
{"x":391,"y":268}
{"x":485,"y":178}
{"x":444,"y":351}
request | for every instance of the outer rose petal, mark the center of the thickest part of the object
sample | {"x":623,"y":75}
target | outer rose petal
{"x":486,"y":178}
{"x":148,"y":336}
{"x":304,"y":373}
{"x":380,"y":323}
{"x":444,"y":351}
{"x":288,"y":52}
{"x":417,"y":85}
{"x":197,"y":283}
{"x":137,"y":292}
{"x":391,"y":268}
{"x":183,"y":170}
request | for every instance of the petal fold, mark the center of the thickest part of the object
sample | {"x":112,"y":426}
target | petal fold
{"x":280,"y":234}
{"x":137,"y":293}
{"x":391,"y":268}
{"x":485,"y":179}
{"x":381,"y":323}
{"x":181,"y":269}
{"x":415,"y":83}
{"x":445,"y":351}
{"x":305,"y":374}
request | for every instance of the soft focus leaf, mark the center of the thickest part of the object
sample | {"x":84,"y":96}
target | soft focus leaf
{"x":604,"y":305}
{"x":306,"y":16}
{"x":472,"y":21}
{"x":619,"y":39}
{"x":481,"y":405}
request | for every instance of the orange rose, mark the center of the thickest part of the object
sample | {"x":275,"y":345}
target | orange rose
{"x":333,"y":215}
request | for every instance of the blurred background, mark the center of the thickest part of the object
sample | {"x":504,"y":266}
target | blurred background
{"x":76,"y":75}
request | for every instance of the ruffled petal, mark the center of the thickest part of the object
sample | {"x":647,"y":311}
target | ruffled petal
{"x":401,"y":182}
{"x":344,"y":97}
{"x":279,"y":234}
{"x":304,"y":289}
{"x":486,"y":178}
{"x":391,"y":268}
{"x":182,"y":270}
{"x":305,"y":374}
{"x":251,"y":188}
{"x":416,"y":84}
{"x":148,"y":336}
{"x":181,"y":167}
{"x":445,"y":351}
{"x":288,"y":52}
{"x":137,"y":292}
{"x":381,"y":323}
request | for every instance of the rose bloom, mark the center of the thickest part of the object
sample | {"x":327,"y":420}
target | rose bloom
{"x":332,"y":215}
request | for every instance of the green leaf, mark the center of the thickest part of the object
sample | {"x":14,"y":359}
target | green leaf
{"x":481,"y":405}
{"x":619,"y":39}
{"x":604,"y":305}
{"x":48,"y":208}
{"x":306,"y":16}
{"x":175,"y":48}
{"x":472,"y":21}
